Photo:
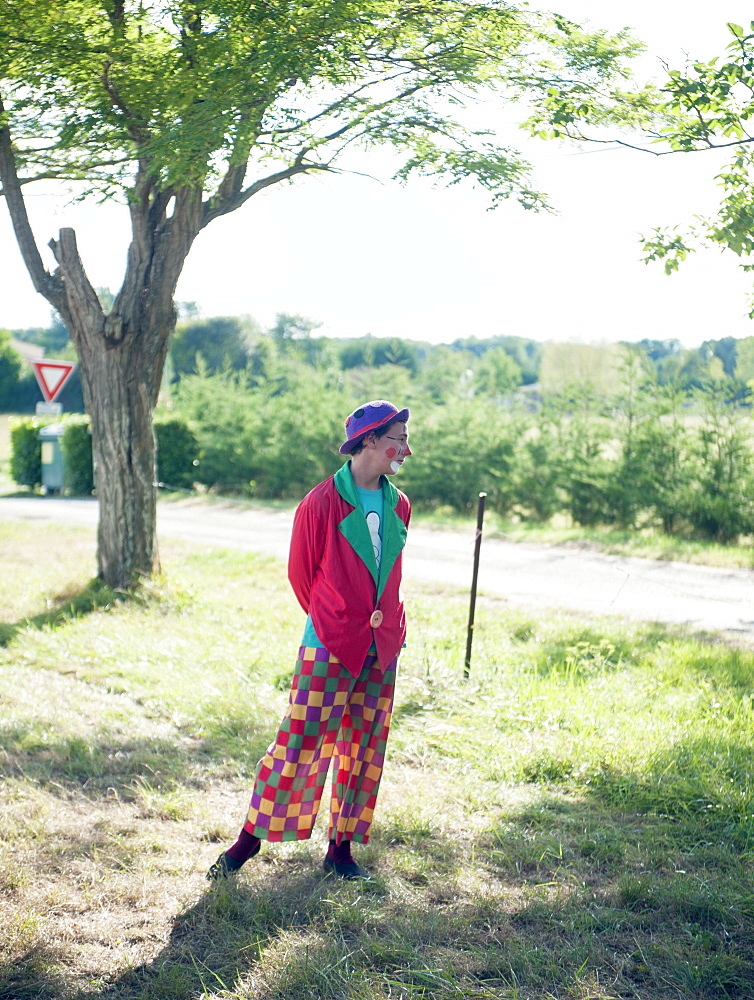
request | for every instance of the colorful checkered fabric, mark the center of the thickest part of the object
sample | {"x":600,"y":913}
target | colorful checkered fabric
{"x":331,"y":713}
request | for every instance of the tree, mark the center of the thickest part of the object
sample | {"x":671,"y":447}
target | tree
{"x":710,"y":105}
{"x":376,"y":351}
{"x":288,"y":328}
{"x":221,"y":342}
{"x":745,"y":361}
{"x":686,"y":369}
{"x":656,"y":350}
{"x":186,"y":109}
{"x":444,"y":372}
{"x":659,"y":460}
{"x":11,"y":367}
{"x":54,"y":339}
{"x":720,"y":503}
{"x":594,"y":367}
{"x":496,"y":374}
{"x":705,"y":105}
{"x":526,"y":353}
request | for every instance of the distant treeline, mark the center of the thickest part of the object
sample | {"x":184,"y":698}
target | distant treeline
{"x":240,"y":344}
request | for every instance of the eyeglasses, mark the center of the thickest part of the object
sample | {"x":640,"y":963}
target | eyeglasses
{"x":401,"y":441}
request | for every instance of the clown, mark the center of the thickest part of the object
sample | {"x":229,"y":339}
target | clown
{"x":345,"y":569}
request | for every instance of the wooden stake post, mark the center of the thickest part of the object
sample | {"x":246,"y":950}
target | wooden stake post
{"x":472,"y":606}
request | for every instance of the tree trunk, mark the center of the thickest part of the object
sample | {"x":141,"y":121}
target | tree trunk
{"x":122,"y":356}
{"x":121,"y":407}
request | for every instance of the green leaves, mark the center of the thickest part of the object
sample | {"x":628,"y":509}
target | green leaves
{"x":666,"y":246}
{"x":500,"y":172}
{"x":710,"y":104}
{"x":584,"y":86}
{"x":732,"y":228}
{"x":201,"y":92}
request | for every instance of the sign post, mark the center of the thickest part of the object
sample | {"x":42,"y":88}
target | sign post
{"x":51,"y":376}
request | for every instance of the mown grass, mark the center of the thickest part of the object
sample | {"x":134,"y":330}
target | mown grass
{"x":575,"y":821}
{"x":647,"y":543}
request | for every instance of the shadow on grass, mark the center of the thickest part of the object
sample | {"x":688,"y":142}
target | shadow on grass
{"x":34,"y":974}
{"x":562,"y":898}
{"x":633,"y":885}
{"x":63,"y":608}
{"x":566,"y":928}
{"x":724,"y":666}
{"x":108,"y":764}
{"x":15,"y":493}
{"x":285,"y":931}
{"x":703,"y":785}
{"x":657,"y":906}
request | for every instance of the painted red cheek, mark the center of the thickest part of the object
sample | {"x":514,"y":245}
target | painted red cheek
{"x":391,"y":452}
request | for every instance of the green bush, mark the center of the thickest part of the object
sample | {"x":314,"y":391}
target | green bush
{"x":719,"y":504}
{"x":76,"y":445}
{"x":11,"y":369}
{"x":649,"y":456}
{"x":275,"y":440}
{"x":26,"y":452}
{"x":537,"y":471}
{"x":719,"y":515}
{"x":458,"y":453}
{"x":297,"y":447}
{"x":177,"y":452}
{"x":227,"y":424}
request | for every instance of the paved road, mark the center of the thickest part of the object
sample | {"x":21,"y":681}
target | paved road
{"x":527,"y":576}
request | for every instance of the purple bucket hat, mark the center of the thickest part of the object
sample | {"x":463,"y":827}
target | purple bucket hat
{"x":368,"y":418}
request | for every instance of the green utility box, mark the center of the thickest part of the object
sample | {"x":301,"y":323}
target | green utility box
{"x":53,"y":468}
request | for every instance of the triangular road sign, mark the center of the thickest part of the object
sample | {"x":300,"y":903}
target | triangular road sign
{"x":52,"y":376}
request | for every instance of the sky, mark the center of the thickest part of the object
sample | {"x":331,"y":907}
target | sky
{"x":364,"y":255}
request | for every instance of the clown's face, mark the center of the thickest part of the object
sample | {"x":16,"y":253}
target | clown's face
{"x":393,"y":448}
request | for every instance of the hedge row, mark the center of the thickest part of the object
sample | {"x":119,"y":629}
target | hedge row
{"x":177,"y":451}
{"x":645,"y":457}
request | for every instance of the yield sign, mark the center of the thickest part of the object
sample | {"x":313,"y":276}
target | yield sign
{"x":52,"y":376}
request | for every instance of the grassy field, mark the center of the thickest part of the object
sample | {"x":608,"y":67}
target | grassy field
{"x":576,"y":821}
{"x":647,"y":543}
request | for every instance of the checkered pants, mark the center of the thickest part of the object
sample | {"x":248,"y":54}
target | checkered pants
{"x":331,"y":713}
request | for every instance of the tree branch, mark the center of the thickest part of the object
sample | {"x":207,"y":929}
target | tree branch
{"x":191,"y":25}
{"x":336,"y":105}
{"x":45,"y":283}
{"x":116,"y":13}
{"x":235,"y":174}
{"x":216,"y":207}
{"x":72,"y":175}
{"x":134,"y":125}
{"x":662,"y":152}
{"x":79,"y":295}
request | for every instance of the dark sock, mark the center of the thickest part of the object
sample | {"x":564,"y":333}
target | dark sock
{"x":243,"y":848}
{"x":339,"y":853}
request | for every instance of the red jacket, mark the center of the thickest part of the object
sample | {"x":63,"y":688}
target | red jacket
{"x":333,"y":570}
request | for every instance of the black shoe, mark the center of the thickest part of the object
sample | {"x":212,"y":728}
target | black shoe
{"x":225,"y":866}
{"x":348,"y":870}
